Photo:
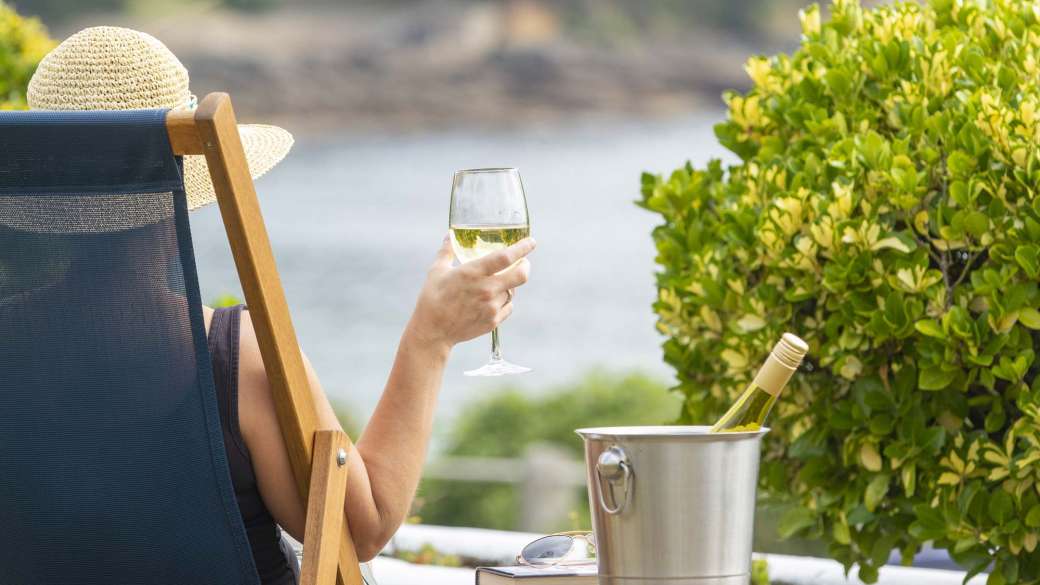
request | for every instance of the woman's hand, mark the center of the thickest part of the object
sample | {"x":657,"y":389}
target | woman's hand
{"x":462,"y":302}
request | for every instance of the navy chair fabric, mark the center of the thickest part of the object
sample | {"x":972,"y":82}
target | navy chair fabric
{"x":112,"y":463}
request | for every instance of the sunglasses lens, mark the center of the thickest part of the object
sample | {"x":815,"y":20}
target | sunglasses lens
{"x":546,"y":550}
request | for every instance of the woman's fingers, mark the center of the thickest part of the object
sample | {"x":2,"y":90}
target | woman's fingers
{"x":442,"y":262}
{"x":515,"y":275}
{"x":504,"y":312}
{"x":504,"y":284}
{"x":494,"y":278}
{"x":498,"y":261}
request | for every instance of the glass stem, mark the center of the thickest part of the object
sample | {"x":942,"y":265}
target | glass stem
{"x":496,"y":347}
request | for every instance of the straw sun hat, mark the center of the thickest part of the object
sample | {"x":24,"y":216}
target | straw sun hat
{"x":111,"y":68}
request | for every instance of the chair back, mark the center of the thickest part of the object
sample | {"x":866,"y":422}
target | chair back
{"x":112,"y":462}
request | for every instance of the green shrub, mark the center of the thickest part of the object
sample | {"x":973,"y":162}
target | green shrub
{"x":225,"y":300}
{"x":505,"y":423}
{"x":23,"y":42}
{"x":428,"y":555}
{"x":885,"y":208}
{"x":759,"y":572}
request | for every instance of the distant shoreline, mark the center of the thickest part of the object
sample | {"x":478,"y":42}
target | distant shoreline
{"x":435,"y":68}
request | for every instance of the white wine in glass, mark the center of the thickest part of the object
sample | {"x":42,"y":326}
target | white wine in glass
{"x":488,"y":213}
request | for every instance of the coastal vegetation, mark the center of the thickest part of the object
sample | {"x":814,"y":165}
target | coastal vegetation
{"x":23,"y":42}
{"x":884,"y":207}
{"x":507,"y":422}
{"x":602,"y":20}
{"x":395,"y":66}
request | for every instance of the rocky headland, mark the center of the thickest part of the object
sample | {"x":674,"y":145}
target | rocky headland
{"x":438,"y":65}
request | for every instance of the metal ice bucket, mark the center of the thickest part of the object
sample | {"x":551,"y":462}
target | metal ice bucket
{"x":672,"y":505}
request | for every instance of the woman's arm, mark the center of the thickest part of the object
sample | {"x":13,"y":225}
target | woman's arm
{"x":456,"y":304}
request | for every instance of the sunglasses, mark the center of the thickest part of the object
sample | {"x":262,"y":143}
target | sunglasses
{"x":562,"y":548}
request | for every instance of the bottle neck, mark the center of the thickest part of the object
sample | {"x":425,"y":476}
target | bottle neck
{"x":773,"y":375}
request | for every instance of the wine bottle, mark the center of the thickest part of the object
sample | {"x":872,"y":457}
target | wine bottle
{"x":751,"y":409}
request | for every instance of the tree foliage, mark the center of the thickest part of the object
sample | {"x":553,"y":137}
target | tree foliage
{"x":885,"y":208}
{"x":23,"y":42}
{"x":64,"y":11}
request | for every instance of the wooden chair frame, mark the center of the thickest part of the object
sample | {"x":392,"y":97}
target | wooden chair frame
{"x":315,"y":453}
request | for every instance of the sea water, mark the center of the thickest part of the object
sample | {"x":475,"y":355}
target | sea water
{"x":355,"y":221}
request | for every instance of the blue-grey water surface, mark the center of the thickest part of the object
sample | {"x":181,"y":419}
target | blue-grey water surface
{"x":355,"y":220}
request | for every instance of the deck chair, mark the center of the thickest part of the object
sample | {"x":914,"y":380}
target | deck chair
{"x":112,"y":463}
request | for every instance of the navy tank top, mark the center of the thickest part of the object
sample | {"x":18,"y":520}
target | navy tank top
{"x":275,"y":561}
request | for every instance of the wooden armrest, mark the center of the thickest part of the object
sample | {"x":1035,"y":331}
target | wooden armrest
{"x":325,"y":527}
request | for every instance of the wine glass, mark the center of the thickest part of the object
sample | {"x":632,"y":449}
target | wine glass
{"x":488,"y":213}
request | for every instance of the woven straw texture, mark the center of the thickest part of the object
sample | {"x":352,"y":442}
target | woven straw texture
{"x":112,"y":68}
{"x":265,"y":146}
{"x":109,"y":68}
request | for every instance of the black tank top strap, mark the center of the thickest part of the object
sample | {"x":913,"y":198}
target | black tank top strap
{"x":265,"y":537}
{"x":223,"y":348}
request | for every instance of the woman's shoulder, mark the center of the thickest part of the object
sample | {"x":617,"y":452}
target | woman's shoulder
{"x":248,"y":342}
{"x":251,"y":364}
{"x":254,"y":390}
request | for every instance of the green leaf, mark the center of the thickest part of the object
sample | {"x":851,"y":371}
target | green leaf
{"x":794,"y":520}
{"x":933,"y":439}
{"x":959,"y":193}
{"x":931,"y":328}
{"x":909,"y":476}
{"x":904,"y":178}
{"x":976,"y":223}
{"x":976,"y":568}
{"x":838,"y":81}
{"x":870,"y":458}
{"x":860,"y":515}
{"x":868,"y":574}
{"x":841,"y":534}
{"x":873,"y":147}
{"x":882,"y":549}
{"x":995,"y":419}
{"x":1029,"y":317}
{"x":934,"y":378}
{"x":960,"y":163}
{"x":965,"y":498}
{"x":1028,"y":257}
{"x":929,"y":525}
{"x":959,"y":322}
{"x":1000,"y":506}
{"x":1033,"y":517}
{"x":891,"y":243}
{"x":875,"y":492}
{"x":881,"y":424}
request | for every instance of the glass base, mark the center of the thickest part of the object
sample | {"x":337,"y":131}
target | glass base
{"x":497,"y":368}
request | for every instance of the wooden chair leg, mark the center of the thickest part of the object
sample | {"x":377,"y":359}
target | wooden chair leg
{"x":328,"y":491}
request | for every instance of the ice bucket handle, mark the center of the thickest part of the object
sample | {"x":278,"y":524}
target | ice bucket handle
{"x":611,"y":466}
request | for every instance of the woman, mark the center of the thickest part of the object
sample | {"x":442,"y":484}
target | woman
{"x":109,"y":68}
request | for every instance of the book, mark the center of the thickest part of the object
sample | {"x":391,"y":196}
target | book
{"x":558,"y":575}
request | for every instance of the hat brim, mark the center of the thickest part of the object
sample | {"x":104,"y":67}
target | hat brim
{"x":265,"y":146}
